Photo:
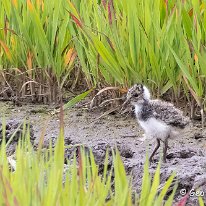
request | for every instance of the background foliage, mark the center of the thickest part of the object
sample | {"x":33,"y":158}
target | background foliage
{"x":160,"y":43}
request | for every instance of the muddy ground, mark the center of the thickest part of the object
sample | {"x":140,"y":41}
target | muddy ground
{"x":186,"y":155}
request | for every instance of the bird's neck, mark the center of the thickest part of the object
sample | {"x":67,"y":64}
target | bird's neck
{"x":140,"y":105}
{"x":146,"y":93}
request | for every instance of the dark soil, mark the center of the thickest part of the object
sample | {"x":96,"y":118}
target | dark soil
{"x":186,"y":155}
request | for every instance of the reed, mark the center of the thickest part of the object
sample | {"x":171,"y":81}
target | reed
{"x":118,"y":43}
{"x":160,"y":43}
{"x":40,"y":177}
{"x":36,"y":48}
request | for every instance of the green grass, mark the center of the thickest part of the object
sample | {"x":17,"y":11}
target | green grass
{"x":118,"y":43}
{"x":159,"y":43}
{"x":35,"y":41}
{"x":40,"y":177}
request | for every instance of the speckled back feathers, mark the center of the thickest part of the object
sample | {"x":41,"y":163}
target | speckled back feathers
{"x":168,"y":113}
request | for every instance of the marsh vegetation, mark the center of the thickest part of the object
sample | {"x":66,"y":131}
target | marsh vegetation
{"x":54,"y":52}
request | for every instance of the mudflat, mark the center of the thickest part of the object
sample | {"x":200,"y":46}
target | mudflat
{"x":186,"y":155}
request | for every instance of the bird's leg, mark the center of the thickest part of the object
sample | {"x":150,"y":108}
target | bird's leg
{"x":165,"y":147}
{"x":154,"y":151}
{"x":202,"y":116}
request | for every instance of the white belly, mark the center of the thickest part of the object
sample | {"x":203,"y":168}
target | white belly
{"x":155,"y":128}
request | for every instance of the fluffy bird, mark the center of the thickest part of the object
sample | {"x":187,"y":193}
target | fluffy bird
{"x":158,"y":119}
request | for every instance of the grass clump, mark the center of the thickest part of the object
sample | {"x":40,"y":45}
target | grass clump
{"x":160,"y":43}
{"x":48,"y":45}
{"x":40,"y":177}
{"x":36,"y":51}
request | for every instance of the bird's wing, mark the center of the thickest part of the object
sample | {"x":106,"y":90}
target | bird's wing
{"x":168,"y":113}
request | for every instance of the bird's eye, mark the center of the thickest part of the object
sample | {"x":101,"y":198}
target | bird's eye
{"x":136,"y":95}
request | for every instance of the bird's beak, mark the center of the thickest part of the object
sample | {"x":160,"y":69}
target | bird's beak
{"x":126,"y":101}
{"x":124,"y":109}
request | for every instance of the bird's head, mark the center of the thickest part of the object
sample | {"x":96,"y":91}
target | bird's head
{"x":137,"y":94}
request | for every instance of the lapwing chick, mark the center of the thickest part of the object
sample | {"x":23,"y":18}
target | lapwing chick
{"x":159,"y":120}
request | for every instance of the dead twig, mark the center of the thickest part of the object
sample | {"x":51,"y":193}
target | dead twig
{"x":110,"y":100}
{"x":106,"y":113}
{"x":103,"y":90}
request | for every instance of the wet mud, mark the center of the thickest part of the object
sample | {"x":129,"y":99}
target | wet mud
{"x":186,"y":154}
